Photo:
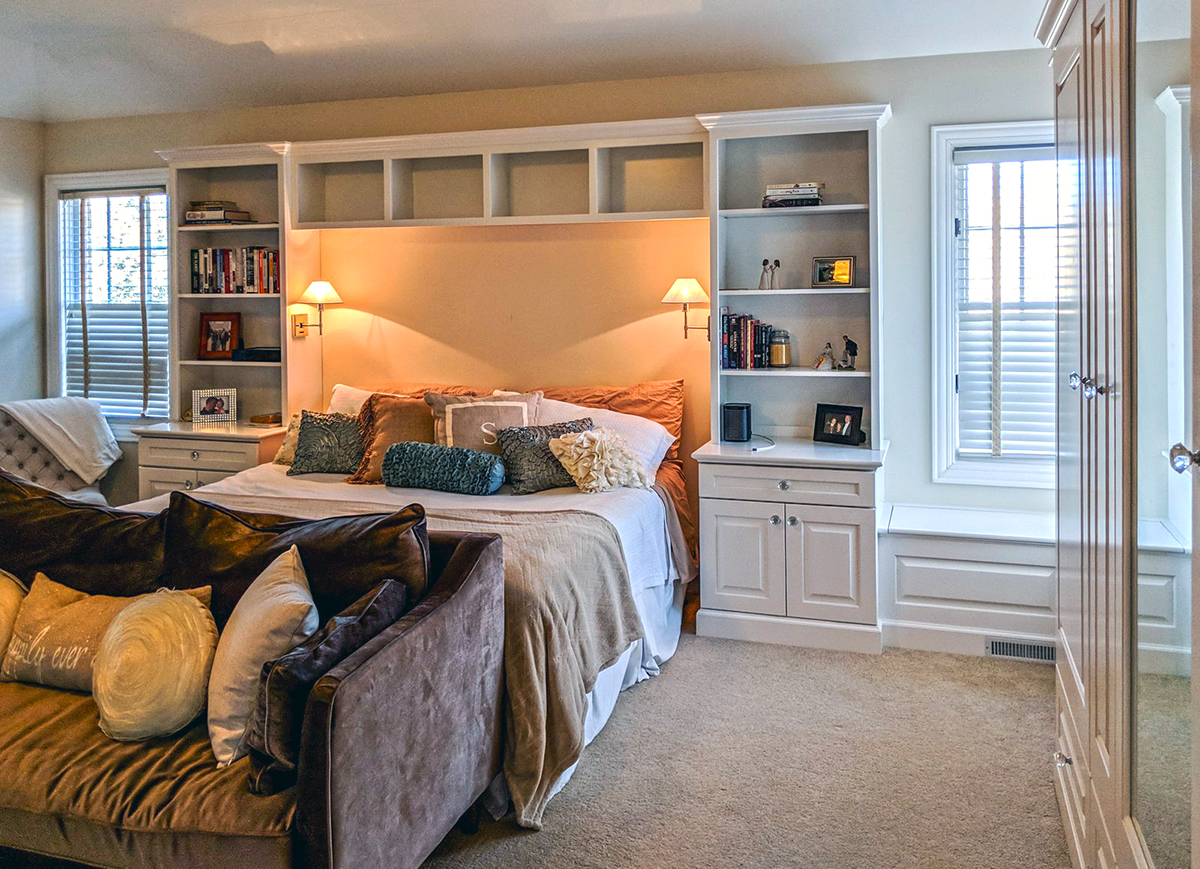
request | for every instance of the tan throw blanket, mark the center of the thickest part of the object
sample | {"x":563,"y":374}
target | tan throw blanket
{"x":569,"y":613}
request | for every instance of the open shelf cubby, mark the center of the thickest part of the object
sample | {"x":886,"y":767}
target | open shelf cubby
{"x":341,"y":192}
{"x":650,"y":178}
{"x":254,"y":187}
{"x":437,"y":188}
{"x":839,"y":160}
{"x":539,"y":183}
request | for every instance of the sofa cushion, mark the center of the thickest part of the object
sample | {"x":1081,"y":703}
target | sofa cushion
{"x":91,"y":548}
{"x":344,"y":557}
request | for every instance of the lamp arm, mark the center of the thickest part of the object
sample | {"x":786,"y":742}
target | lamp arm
{"x":686,"y":328}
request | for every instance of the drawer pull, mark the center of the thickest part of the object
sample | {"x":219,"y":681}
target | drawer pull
{"x":774,"y":520}
{"x":1062,"y":760}
{"x":187,"y":484}
{"x":783,"y":485}
{"x":793,"y":521}
{"x":195,"y":456}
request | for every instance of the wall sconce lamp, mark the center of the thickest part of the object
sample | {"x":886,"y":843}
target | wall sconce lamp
{"x":687,"y":291}
{"x":319,"y":293}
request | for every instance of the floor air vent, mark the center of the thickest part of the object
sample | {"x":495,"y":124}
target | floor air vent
{"x":1020,"y":650}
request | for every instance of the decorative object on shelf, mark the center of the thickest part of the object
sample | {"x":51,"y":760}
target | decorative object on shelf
{"x":849,"y":355}
{"x":216,"y":211}
{"x":780,"y":353}
{"x":210,"y":406}
{"x":687,"y":291}
{"x":267,"y":420}
{"x":764,"y":281}
{"x":220,"y":335}
{"x":826,"y":361}
{"x":795,"y":194}
{"x":319,"y":293}
{"x":735,"y":422}
{"x":775,"y":275}
{"x":833,"y":271}
{"x":257,"y":354}
{"x":839,"y":424}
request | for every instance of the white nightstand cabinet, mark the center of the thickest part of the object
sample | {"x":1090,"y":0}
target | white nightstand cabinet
{"x":180,"y":455}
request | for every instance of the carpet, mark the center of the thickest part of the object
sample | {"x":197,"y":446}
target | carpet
{"x":750,"y":755}
{"x":1163,"y":792}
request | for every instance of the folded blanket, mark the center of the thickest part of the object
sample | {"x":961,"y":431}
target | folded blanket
{"x":74,"y":430}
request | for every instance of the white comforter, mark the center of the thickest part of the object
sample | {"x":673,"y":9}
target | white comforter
{"x":637,"y":515}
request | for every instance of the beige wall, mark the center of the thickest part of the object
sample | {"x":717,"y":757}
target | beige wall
{"x":923,"y":91}
{"x":22,"y":360}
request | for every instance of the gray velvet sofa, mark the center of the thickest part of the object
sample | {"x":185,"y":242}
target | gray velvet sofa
{"x":399,"y":741}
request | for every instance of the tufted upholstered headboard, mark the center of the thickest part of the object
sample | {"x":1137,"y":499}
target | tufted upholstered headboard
{"x":24,"y":455}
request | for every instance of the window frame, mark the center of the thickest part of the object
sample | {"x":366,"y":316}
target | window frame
{"x":1010,"y":472}
{"x":55,"y":332}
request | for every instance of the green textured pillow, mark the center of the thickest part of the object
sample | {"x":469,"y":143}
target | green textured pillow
{"x":327,"y":443}
{"x":415,"y":465}
{"x":527,"y":458}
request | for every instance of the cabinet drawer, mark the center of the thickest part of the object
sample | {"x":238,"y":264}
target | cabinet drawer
{"x":211,"y":455}
{"x":153,"y":482}
{"x":788,"y":485}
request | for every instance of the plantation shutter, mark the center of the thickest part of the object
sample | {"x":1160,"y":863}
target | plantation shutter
{"x":113,"y":277}
{"x":1005,"y":264}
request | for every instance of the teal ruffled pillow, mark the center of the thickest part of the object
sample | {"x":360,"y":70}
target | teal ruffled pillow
{"x":327,"y":443}
{"x":413,"y":465}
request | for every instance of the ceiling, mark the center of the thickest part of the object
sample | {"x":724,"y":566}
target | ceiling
{"x":66,"y":59}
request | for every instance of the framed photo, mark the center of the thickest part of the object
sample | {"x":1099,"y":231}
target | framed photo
{"x":833,"y":271}
{"x":214,"y":405}
{"x":839,"y":424}
{"x":219,"y":335}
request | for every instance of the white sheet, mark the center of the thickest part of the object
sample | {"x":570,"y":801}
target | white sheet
{"x":73,"y":429}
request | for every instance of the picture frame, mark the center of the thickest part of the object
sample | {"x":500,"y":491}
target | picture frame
{"x":833,"y":271}
{"x":220,"y":334}
{"x":213,"y":406}
{"x":839,"y":424}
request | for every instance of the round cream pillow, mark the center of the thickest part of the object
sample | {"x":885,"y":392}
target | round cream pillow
{"x":150,"y":676}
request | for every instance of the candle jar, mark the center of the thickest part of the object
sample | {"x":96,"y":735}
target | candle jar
{"x":781,"y":349}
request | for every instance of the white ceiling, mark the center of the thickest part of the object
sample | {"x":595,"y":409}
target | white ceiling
{"x":66,"y":59}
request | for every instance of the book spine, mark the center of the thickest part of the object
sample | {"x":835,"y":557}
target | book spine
{"x":724,"y":337}
{"x":194,"y":263}
{"x":816,"y":185}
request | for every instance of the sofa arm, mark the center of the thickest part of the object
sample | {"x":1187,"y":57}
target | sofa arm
{"x":404,"y":735}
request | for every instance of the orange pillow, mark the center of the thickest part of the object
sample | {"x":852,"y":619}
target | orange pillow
{"x":419,"y":389}
{"x":385,"y":420}
{"x":660,"y":401}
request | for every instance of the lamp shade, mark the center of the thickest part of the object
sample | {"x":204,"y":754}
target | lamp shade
{"x":685,"y":291}
{"x":320,"y":293}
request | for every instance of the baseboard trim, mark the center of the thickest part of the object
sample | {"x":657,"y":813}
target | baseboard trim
{"x":1164,"y":660}
{"x":943,"y":638}
{"x":837,"y":636}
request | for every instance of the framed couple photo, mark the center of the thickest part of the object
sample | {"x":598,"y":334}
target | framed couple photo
{"x":839,"y":424}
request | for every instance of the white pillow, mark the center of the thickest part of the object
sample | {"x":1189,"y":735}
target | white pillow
{"x":349,"y":399}
{"x":150,"y":677}
{"x":12,"y":592}
{"x":648,"y":439}
{"x":275,"y":615}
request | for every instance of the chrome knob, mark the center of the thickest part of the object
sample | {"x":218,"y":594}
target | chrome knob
{"x":783,"y":485}
{"x":1073,"y":380}
{"x":187,"y":484}
{"x":1062,"y":760}
{"x":1182,"y":458}
{"x":195,"y":456}
{"x":1089,"y":388}
{"x":774,"y":520}
{"x":793,"y":521}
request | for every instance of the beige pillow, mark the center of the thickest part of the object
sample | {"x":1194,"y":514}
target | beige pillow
{"x":472,"y":421}
{"x":12,"y":592}
{"x":150,"y":677}
{"x":599,"y":460}
{"x":287,"y":449}
{"x":58,"y":632}
{"x":275,"y":615}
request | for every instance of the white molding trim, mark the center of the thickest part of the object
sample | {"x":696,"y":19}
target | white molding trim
{"x":1052,"y":21}
{"x":53,"y":185}
{"x":878,"y":113}
{"x":949,"y":639}
{"x":810,"y":633}
{"x":225,"y":155}
{"x":1013,"y":473}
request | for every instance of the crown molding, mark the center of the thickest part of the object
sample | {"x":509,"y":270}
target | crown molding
{"x":865,"y":113}
{"x":1052,"y":21}
{"x":1174,"y":96}
{"x":226,"y":154}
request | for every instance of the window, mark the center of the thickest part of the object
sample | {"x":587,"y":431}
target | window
{"x":995,"y":284}
{"x":109,"y":309}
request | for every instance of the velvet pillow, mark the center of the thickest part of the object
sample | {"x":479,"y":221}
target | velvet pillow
{"x":94,"y":549}
{"x":328,"y":443}
{"x":273,"y":737}
{"x":344,"y":556}
{"x":658,"y":400}
{"x":472,"y":421}
{"x":385,"y":420}
{"x":527,"y":458}
{"x":442,"y":469}
{"x":12,"y":593}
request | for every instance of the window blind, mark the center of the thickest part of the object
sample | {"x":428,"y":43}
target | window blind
{"x":113,"y":273}
{"x":1005,"y":265}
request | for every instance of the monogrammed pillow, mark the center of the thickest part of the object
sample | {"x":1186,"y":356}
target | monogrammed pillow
{"x":472,"y":421}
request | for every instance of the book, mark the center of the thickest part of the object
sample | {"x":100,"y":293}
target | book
{"x":792,"y":202}
{"x":816,"y":185}
{"x":207,"y":204}
{"x":208,"y":214}
{"x":225,"y":270}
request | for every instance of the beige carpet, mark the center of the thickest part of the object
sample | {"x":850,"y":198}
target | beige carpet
{"x":756,"y":756}
{"x":1164,"y":770}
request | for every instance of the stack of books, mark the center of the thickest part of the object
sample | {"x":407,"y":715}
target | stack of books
{"x":214,"y":211}
{"x":745,"y":341}
{"x":235,"y":270}
{"x":796,"y":194}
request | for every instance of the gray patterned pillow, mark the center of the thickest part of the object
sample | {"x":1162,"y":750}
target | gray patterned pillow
{"x":527,"y":457}
{"x":414,"y":465}
{"x":328,"y":443}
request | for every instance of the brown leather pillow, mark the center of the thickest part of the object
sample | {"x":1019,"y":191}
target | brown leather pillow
{"x":344,"y":556}
{"x":657,"y":400}
{"x":89,"y":548}
{"x":385,"y":420}
{"x":273,"y":735}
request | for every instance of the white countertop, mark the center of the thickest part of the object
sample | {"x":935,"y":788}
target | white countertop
{"x":792,"y":452}
{"x":224,"y":431}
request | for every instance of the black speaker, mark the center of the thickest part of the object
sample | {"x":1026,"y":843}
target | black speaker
{"x":735,"y":422}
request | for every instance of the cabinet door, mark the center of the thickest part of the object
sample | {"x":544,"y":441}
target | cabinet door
{"x":831,"y":563}
{"x":159,"y":481}
{"x":741,"y":557}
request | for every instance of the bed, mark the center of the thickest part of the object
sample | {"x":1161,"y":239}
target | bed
{"x":597,"y":581}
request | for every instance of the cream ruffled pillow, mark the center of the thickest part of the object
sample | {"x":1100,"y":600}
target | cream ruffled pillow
{"x":600,"y":460}
{"x":150,"y":677}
